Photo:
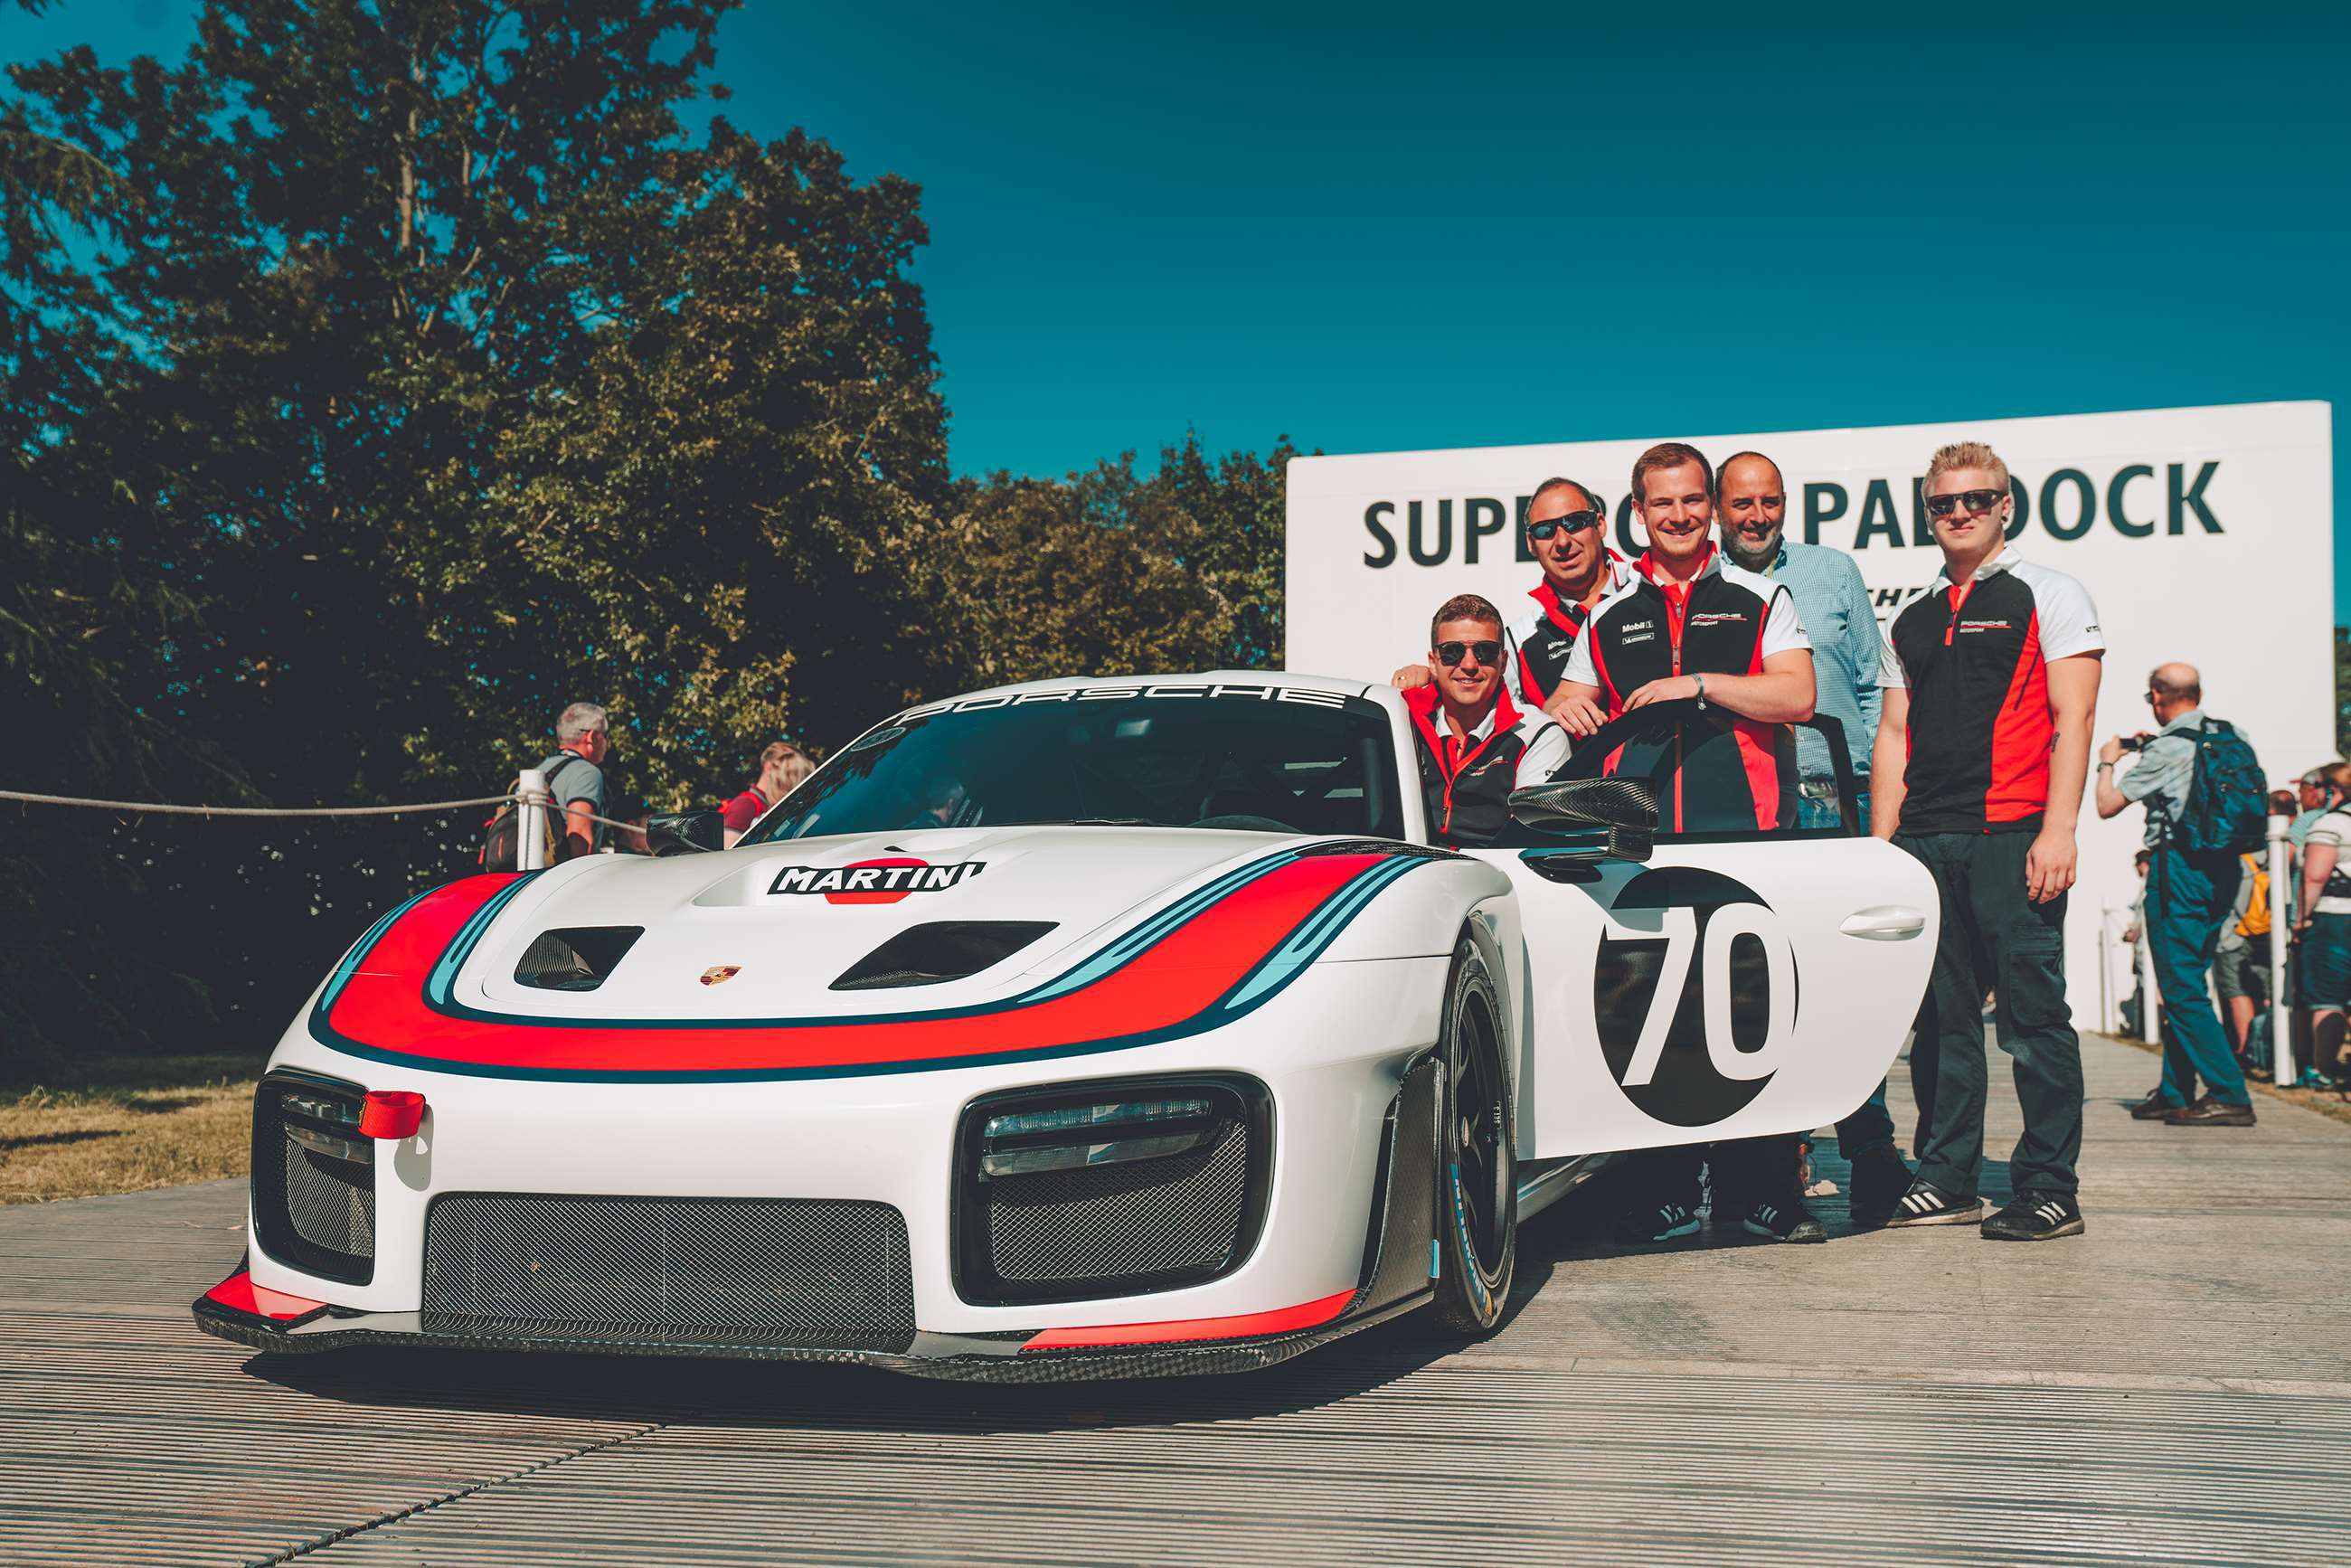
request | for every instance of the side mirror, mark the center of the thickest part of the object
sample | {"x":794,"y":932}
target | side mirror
{"x":1597,"y":818}
{"x":686,"y":833}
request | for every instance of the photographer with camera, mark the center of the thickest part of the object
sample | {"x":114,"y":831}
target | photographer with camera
{"x":2206,"y":805}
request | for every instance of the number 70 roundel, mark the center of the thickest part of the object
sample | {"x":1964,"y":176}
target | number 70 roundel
{"x":1694,"y":993}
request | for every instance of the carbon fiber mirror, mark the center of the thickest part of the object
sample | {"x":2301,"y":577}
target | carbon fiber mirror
{"x":689,"y":832}
{"x":1597,"y":818}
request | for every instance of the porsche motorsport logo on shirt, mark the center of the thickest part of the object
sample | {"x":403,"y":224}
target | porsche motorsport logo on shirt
{"x":874,"y":881}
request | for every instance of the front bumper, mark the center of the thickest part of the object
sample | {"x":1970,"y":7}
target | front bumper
{"x":271,"y":1321}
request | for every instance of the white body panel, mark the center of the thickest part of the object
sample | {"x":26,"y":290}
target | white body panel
{"x":1331,"y":1038}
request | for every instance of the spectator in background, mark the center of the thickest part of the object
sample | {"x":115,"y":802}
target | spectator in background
{"x":2134,"y":1005}
{"x":586,"y":733}
{"x":2321,"y":966}
{"x":630,"y":840}
{"x":2240,"y":962}
{"x":2187,"y":901}
{"x":1751,"y":511}
{"x":781,"y":768}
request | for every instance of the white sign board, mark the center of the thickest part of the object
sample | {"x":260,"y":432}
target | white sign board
{"x":2204,"y":534}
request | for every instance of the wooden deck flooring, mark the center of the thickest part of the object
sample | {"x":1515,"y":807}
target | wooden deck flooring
{"x":2171,"y":1388}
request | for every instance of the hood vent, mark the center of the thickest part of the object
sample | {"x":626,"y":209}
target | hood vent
{"x":943,"y":950}
{"x":576,"y":958}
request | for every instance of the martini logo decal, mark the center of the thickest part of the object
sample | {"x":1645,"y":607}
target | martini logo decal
{"x":1694,"y":995}
{"x":874,"y":881}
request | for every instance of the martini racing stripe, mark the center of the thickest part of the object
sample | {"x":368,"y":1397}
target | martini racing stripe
{"x":1208,"y":959}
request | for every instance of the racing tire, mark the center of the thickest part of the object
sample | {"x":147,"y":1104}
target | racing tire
{"x":1477,"y":1154}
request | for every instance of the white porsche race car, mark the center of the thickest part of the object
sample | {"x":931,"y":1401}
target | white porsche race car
{"x":1075,"y":1029}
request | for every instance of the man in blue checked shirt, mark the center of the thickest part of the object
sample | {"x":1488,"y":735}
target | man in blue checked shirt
{"x":1752,"y":504}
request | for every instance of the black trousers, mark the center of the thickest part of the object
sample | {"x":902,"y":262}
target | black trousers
{"x":1747,"y":1171}
{"x":1994,"y":936}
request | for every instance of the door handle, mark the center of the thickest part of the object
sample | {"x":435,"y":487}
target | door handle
{"x":1884,"y":923}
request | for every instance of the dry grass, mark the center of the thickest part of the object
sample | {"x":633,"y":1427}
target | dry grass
{"x":125,"y":1125}
{"x":2332,"y":1103}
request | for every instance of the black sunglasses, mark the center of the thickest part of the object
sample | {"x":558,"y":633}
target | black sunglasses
{"x":1975,"y":500}
{"x":1450,"y":654}
{"x":1571,"y":523}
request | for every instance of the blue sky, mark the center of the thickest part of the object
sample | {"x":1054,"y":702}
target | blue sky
{"x":1374,"y":227}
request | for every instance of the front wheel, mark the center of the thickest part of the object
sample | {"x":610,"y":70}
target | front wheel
{"x":1477,"y":1154}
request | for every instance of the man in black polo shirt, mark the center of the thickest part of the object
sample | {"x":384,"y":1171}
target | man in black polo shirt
{"x":1476,"y":747}
{"x":1689,"y":624}
{"x":1567,"y":529}
{"x":1983,"y":744}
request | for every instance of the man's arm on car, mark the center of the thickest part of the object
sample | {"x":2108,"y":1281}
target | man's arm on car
{"x":1782,"y":694}
{"x":1889,"y":760}
{"x":1577,"y":709}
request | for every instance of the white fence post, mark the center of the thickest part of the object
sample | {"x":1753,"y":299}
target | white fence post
{"x":530,"y":834}
{"x":2150,"y":1000}
{"x":2109,"y":1013}
{"x":2281,"y":1067}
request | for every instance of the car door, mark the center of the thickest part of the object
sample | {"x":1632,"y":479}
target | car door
{"x":1723,"y":979}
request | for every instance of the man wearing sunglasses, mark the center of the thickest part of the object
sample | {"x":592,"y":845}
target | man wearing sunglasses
{"x":1990,"y":680}
{"x":1475,"y":744}
{"x":1567,"y":531}
{"x":1688,"y":624}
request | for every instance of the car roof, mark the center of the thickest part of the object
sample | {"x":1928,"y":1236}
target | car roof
{"x":1199,"y":678}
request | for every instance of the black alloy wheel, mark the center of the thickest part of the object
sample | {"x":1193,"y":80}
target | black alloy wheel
{"x":1477,"y":1168}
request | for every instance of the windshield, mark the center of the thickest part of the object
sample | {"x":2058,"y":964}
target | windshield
{"x":1263,"y":758}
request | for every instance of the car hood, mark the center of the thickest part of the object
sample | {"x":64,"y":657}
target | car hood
{"x":764,"y":931}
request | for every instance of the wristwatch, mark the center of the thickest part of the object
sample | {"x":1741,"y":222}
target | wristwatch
{"x":1701,"y":690}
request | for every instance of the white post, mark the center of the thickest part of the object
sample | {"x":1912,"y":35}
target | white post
{"x":2150,"y":1000}
{"x":2281,"y":1067}
{"x":530,"y":836}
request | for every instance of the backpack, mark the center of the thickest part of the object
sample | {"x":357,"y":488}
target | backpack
{"x":502,"y":833}
{"x":2255,"y":921}
{"x":2227,"y":807}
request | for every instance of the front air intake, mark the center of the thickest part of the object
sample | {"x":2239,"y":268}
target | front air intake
{"x":820,"y":1274}
{"x":314,"y":1176}
{"x":1110,"y":1188}
{"x":943,"y":950}
{"x":575,"y":958}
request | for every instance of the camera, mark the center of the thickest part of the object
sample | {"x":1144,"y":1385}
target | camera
{"x":2133,"y":742}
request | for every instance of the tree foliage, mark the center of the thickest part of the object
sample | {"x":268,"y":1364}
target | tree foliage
{"x":385,"y":374}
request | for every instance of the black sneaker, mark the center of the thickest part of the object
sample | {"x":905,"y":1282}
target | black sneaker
{"x":1785,"y":1222}
{"x":1879,"y":1178}
{"x":2036,"y":1217}
{"x":1659,"y":1222}
{"x":1925,"y":1204}
{"x":2154,"y":1108}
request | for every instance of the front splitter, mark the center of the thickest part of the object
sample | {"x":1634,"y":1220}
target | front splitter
{"x":953,"y":1357}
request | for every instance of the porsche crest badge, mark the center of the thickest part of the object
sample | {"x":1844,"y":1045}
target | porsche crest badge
{"x":719,"y":974}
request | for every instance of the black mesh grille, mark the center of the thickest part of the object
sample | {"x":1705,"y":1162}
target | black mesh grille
{"x":1120,"y":1220}
{"x":312,"y":1207}
{"x":330,"y":1202}
{"x":782,"y":1270}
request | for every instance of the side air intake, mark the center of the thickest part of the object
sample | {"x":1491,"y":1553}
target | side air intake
{"x":577,"y":958}
{"x":941,"y":951}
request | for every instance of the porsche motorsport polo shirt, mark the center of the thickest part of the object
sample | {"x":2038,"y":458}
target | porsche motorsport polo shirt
{"x":1726,"y":620}
{"x":1975,"y":657}
{"x":1466,"y":781}
{"x":1541,"y":640}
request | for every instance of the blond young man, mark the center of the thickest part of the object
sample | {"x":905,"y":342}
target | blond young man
{"x":1983,"y":747}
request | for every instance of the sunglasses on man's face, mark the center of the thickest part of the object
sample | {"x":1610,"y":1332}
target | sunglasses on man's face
{"x":1571,"y":523}
{"x":1452,"y":653}
{"x":1975,"y":501}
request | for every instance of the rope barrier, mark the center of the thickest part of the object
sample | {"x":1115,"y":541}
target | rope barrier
{"x":158,"y":806}
{"x":250,"y":811}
